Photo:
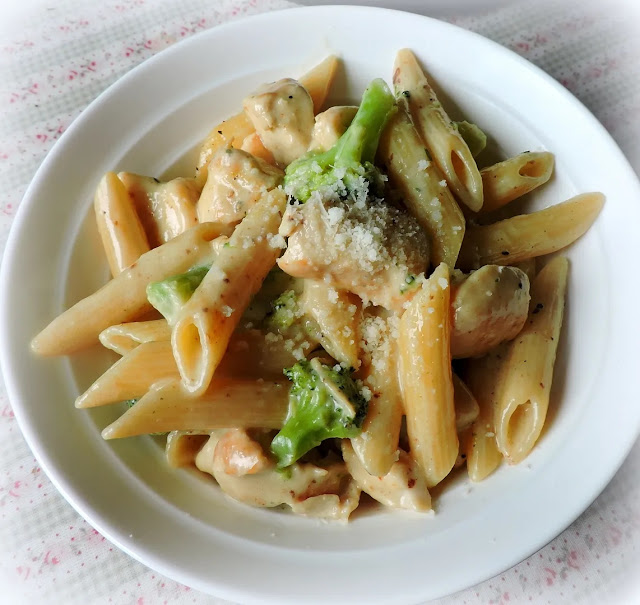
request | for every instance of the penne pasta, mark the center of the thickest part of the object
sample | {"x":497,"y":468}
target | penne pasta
{"x":182,"y":448}
{"x":505,"y":181}
{"x":528,"y":267}
{"x":253,"y":353}
{"x":229,"y":403}
{"x":425,"y":378}
{"x":132,"y":376}
{"x":423,"y":189}
{"x":120,"y":229}
{"x":204,"y":326}
{"x":249,"y":354}
{"x":229,"y":133}
{"x":125,"y":337}
{"x":522,"y":237}
{"x":465,"y":404}
{"x":124,"y":297}
{"x":377,"y":445}
{"x":523,"y":399}
{"x":446,"y":145}
{"x":164,"y":209}
{"x":319,"y":79}
{"x":483,"y":378}
{"x":336,"y":314}
{"x":402,"y":486}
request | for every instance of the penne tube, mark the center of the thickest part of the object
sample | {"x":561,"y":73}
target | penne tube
{"x":377,"y":445}
{"x":235,"y":130}
{"x":229,"y":133}
{"x":483,"y":378}
{"x":505,"y":181}
{"x":336,"y":314}
{"x":253,"y":353}
{"x":446,"y":145}
{"x":125,"y":337}
{"x":402,"y":486}
{"x":132,"y":376}
{"x":182,"y":448}
{"x":523,"y":399}
{"x":204,"y":325}
{"x":424,"y":191}
{"x":228,"y":403}
{"x":165,"y":209}
{"x":528,"y":267}
{"x":319,"y":79}
{"x":124,"y":298}
{"x":425,"y":378}
{"x":522,"y":237}
{"x":465,"y":404}
{"x":120,"y":229}
{"x":249,"y":354}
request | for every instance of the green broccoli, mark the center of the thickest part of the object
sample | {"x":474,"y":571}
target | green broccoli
{"x":284,"y":312}
{"x":324,"y":402}
{"x":170,"y":295}
{"x":350,"y":160}
{"x":473,"y":136}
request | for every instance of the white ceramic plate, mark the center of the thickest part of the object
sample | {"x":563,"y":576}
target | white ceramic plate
{"x":172,"y":521}
{"x":431,"y":8}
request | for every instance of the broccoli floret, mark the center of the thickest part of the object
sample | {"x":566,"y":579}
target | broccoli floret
{"x":323,"y":403}
{"x":170,"y":295}
{"x":284,"y":312}
{"x":350,"y":160}
{"x":473,"y":136}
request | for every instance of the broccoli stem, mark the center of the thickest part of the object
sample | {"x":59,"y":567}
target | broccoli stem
{"x":359,"y":143}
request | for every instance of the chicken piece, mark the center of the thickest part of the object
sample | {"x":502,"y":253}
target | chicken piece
{"x":371,"y":249}
{"x":165,"y":209}
{"x":282,"y":114}
{"x":236,"y":180}
{"x":240,"y":455}
{"x":323,"y":489}
{"x":330,"y":126}
{"x":487,"y":308}
{"x":404,"y":486}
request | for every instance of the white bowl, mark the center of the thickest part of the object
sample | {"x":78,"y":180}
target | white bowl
{"x":151,"y":120}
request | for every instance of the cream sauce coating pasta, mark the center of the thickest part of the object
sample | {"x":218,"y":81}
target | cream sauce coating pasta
{"x":357,"y":287}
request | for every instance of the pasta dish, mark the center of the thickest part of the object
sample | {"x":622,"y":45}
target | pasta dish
{"x":338,"y":300}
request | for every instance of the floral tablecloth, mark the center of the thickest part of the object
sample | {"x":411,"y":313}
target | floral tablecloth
{"x":56,"y":57}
